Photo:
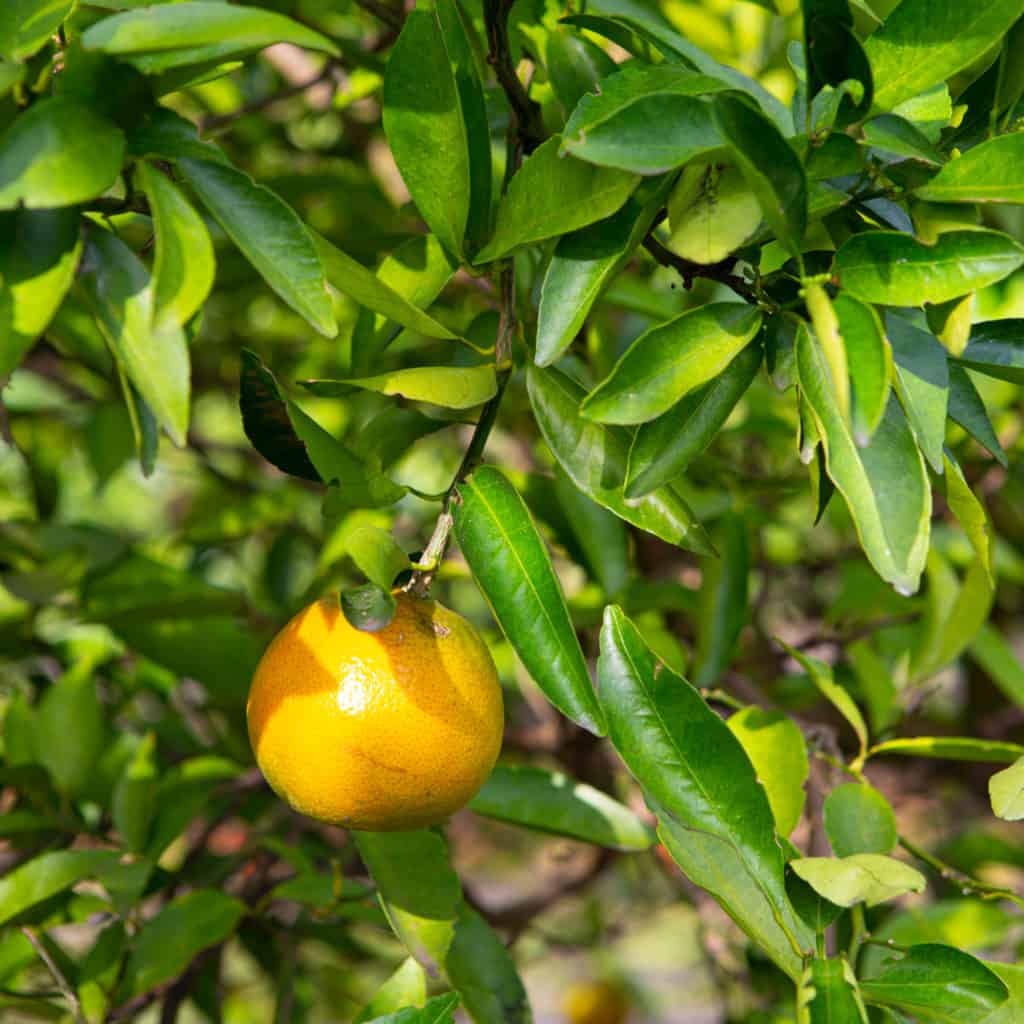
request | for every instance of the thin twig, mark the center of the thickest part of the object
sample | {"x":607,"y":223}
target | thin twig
{"x":985,"y":890}
{"x":389,"y":15}
{"x":860,"y":632}
{"x":527,"y":125}
{"x":690,"y":271}
{"x":54,"y":969}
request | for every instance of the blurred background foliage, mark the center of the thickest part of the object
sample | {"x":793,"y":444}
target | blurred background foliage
{"x":134,"y":607}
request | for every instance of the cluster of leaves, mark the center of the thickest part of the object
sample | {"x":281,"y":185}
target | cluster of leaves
{"x":849,"y":259}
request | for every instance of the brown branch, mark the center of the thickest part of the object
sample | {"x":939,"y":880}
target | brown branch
{"x":391,"y":17}
{"x":527,"y":125}
{"x":690,"y":271}
{"x":58,"y":975}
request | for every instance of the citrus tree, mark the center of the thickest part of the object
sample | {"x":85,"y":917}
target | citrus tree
{"x":672,"y":346}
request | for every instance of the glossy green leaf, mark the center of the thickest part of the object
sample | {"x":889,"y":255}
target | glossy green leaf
{"x":373,"y":291}
{"x":829,"y":994}
{"x":168,"y":136}
{"x":377,"y":554}
{"x":601,"y":535}
{"x":455,"y":387}
{"x":970,"y":513}
{"x":894,"y":269}
{"x":663,"y":447}
{"x":858,"y":819}
{"x":166,"y":944}
{"x":772,"y":169}
{"x":37,"y":266}
{"x":951,"y":748}
{"x":884,"y":484}
{"x":993,"y":653}
{"x":723,"y":601}
{"x":57,"y":153}
{"x":133,"y":805}
{"x":996,"y":349}
{"x":869,"y":362}
{"x":407,"y":987}
{"x":968,"y":410}
{"x":184,"y":267}
{"x":594,"y":458}
{"x":575,"y":65}
{"x":937,"y":985}
{"x":26,"y":25}
{"x":645,"y":119}
{"x":892,"y":134}
{"x":669,"y":361}
{"x":821,"y":675}
{"x":553,"y":194}
{"x":552,"y":802}
{"x":869,"y":878}
{"x":269,"y":234}
{"x":48,"y":874}
{"x":924,"y":42}
{"x":153,"y":356}
{"x":234,"y":28}
{"x":922,"y":382}
{"x":986,"y":173}
{"x":686,"y":757}
{"x":368,"y":608}
{"x":583,"y":265}
{"x":778,"y":752}
{"x":507,"y":557}
{"x":70,"y":729}
{"x":1006,"y":791}
{"x":439,"y":1010}
{"x":436,"y":124}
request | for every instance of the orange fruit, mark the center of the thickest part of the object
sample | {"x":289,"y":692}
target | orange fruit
{"x":385,"y":731}
{"x":595,"y":1002}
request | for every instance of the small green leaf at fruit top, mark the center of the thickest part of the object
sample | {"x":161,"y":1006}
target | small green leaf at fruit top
{"x":711,"y":212}
{"x":369,"y":608}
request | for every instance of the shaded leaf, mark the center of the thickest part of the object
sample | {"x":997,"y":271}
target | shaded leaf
{"x":858,"y":819}
{"x":996,"y":349}
{"x":968,"y":410}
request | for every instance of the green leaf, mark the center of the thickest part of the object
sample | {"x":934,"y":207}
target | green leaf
{"x":922,"y":382}
{"x":369,"y":608}
{"x":821,"y":675}
{"x":377,"y":555}
{"x":723,"y":601}
{"x":993,"y":653}
{"x":594,"y":458}
{"x":436,"y":125}
{"x":455,"y":387}
{"x":884,"y":484}
{"x":552,"y":802}
{"x":835,"y":57}
{"x":858,"y":819}
{"x":574,"y":64}
{"x":509,"y":562}
{"x":829,"y":994}
{"x":583,"y":265}
{"x":37,"y":266}
{"x":57,"y":153}
{"x":439,"y":1010}
{"x":937,"y":985}
{"x":662,"y":448}
{"x":924,"y":42}
{"x":167,"y":943}
{"x":373,"y":291}
{"x":48,"y":874}
{"x":772,"y":169}
{"x":405,"y":988}
{"x":168,"y":136}
{"x":231,"y":28}
{"x":951,"y":748}
{"x":986,"y":173}
{"x":553,"y":194}
{"x":1006,"y":791}
{"x":269,"y":234}
{"x":996,"y":349}
{"x":70,"y":729}
{"x":153,"y":356}
{"x":184,"y":267}
{"x":968,"y":410}
{"x":645,"y":119}
{"x":777,"y":750}
{"x":895,"y":269}
{"x":892,"y":134}
{"x":26,"y":25}
{"x":861,"y":878}
{"x":869,"y":361}
{"x":686,"y":757}
{"x":671,"y":360}
{"x":133,"y":805}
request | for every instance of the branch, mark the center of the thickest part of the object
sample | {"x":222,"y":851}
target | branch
{"x":390,"y":16}
{"x":985,"y":890}
{"x":58,"y":975}
{"x":527,"y":125}
{"x":689,"y":271}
